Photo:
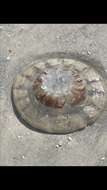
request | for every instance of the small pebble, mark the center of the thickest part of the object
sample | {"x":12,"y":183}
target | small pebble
{"x":8,"y":58}
{"x":9,"y":35}
{"x":69,"y":139}
{"x":88,"y":52}
{"x":59,"y":145}
{"x":21,"y":29}
{"x":103,"y":158}
{"x":23,"y":156}
{"x":19,"y":136}
{"x":58,"y":37}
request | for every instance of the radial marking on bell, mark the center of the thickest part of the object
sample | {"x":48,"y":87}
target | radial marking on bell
{"x":98,"y":86}
{"x":80,"y":66}
{"x":20,"y":92}
{"x":91,"y":75}
{"x":41,"y":65}
{"x":53,"y":62}
{"x":28,"y":77}
{"x":37,"y":69}
{"x":19,"y":87}
{"x":25,"y":106}
{"x":68,"y":62}
{"x":59,"y":87}
{"x":19,"y":81}
{"x":98,"y":101}
{"x":95,"y":92}
{"x":21,"y":97}
{"x":91,"y":111}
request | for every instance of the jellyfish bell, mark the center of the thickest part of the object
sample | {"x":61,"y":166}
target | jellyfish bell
{"x":59,"y":95}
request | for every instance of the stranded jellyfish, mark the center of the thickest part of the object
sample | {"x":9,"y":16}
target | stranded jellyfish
{"x":60,"y":94}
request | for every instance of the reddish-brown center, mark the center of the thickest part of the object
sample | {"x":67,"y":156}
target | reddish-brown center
{"x":56,"y":86}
